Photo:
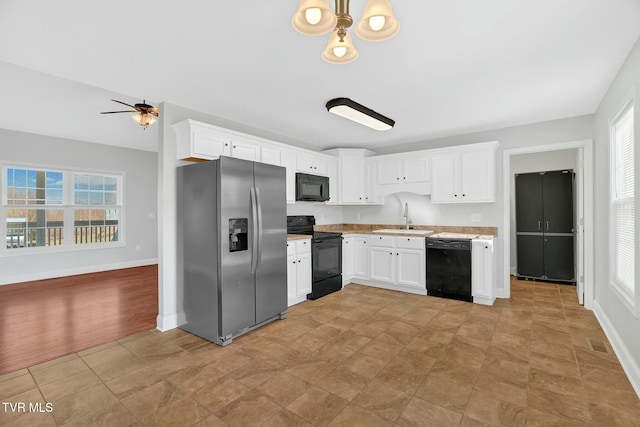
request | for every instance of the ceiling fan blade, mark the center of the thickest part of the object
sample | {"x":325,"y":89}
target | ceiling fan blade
{"x":124,"y":103}
{"x":113,"y":112}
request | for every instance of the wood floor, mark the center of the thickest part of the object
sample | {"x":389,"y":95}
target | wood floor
{"x":46,"y":319}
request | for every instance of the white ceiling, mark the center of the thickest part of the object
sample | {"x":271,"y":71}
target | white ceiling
{"x":454,"y":67}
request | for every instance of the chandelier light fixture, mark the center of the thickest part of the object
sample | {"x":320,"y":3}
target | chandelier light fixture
{"x":315,"y":17}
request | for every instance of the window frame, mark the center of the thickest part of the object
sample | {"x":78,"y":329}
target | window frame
{"x":68,"y":206}
{"x":629,"y":297}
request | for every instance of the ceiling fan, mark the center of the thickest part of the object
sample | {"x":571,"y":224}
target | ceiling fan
{"x":145,"y":114}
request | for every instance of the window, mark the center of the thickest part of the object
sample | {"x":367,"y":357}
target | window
{"x":58,"y":208}
{"x":623,"y":204}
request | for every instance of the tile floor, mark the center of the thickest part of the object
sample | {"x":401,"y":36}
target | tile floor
{"x":360,"y":357}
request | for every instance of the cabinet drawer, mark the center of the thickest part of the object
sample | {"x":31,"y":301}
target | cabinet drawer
{"x":291,"y":248}
{"x":410,"y":242}
{"x":381,"y":241}
{"x":303,"y":246}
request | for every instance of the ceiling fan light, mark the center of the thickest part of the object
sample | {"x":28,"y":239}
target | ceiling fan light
{"x":378,"y":22}
{"x":314,"y":17}
{"x":358,"y":113}
{"x":143,"y":119}
{"x":338,"y":52}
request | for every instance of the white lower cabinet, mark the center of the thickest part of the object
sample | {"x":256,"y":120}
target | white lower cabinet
{"x":483,"y":271}
{"x":355,"y":257}
{"x":398,"y":262}
{"x":298,"y":270}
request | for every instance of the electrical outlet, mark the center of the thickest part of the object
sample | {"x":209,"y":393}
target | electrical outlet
{"x":138,"y":248}
{"x":476,"y":217}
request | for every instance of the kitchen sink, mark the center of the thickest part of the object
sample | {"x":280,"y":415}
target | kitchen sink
{"x":403,"y":231}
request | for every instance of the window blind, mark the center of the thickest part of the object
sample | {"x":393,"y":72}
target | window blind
{"x":624,"y":201}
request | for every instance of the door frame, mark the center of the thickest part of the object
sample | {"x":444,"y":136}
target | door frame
{"x":584,"y":169}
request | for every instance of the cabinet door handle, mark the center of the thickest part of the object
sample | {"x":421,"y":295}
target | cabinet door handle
{"x":547,"y":225}
{"x":538,"y":224}
{"x":398,"y":178}
{"x":226,"y":144}
{"x":455,"y":195}
{"x":464,"y":195}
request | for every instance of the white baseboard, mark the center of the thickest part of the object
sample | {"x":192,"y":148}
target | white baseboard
{"x":629,"y":365}
{"x":172,"y":321}
{"x":75,"y":271}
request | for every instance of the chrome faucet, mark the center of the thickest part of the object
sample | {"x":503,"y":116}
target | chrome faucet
{"x":406,"y":215}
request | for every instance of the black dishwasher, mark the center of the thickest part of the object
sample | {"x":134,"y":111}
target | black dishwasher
{"x":449,"y":268}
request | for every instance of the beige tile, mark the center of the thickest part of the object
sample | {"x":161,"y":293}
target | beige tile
{"x":251,"y":409}
{"x":503,"y":389}
{"x":353,"y":416}
{"x":311,"y":370}
{"x":366,"y":330}
{"x":129,"y":384}
{"x":364,"y":364}
{"x":164,"y":404}
{"x":220,"y":394}
{"x":447,"y":394}
{"x":380,"y":350}
{"x":539,"y":418}
{"x":404,"y":373}
{"x":553,"y":365}
{"x":16,"y":385}
{"x":13,"y":414}
{"x":53,"y":362}
{"x":113,"y":415}
{"x":422,"y":413}
{"x":31,"y":419}
{"x":343,"y":382}
{"x":506,"y":368}
{"x":98,"y":348}
{"x":59,"y":371}
{"x":283,"y":388}
{"x":286,"y":418}
{"x":11,"y":375}
{"x":486,"y":408}
{"x":256,"y":372}
{"x":83,"y":403}
{"x":382,"y":400}
{"x":317,"y":406}
{"x":151,"y":347}
{"x":559,"y":403}
{"x":67,"y":386}
{"x":211,"y":421}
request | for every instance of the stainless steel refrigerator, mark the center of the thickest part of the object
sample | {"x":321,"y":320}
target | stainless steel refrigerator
{"x":232,"y":245}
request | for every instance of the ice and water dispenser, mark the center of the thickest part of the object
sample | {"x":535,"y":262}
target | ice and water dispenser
{"x":238,"y":238}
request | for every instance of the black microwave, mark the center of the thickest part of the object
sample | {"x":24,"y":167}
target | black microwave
{"x":312,"y":188}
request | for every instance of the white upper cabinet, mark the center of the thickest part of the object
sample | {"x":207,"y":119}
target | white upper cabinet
{"x":270,"y":155}
{"x":245,"y":150}
{"x":312,"y":164}
{"x":403,"y":170}
{"x":464,"y":174}
{"x":200,"y":142}
{"x":288,"y":161}
{"x":353,"y":176}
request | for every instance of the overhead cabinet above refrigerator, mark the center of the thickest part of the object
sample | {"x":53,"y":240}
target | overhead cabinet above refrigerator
{"x":544,"y":225}
{"x":232,"y":239}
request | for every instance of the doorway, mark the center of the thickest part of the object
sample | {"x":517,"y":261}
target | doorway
{"x":580,"y":154}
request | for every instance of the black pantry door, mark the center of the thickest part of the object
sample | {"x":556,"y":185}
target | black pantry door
{"x":544,"y":225}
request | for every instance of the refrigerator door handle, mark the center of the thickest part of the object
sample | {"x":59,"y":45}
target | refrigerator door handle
{"x":254,"y":238}
{"x":259,"y":251}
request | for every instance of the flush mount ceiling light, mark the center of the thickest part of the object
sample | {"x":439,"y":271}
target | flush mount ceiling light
{"x":314,"y":18}
{"x":351,"y":110}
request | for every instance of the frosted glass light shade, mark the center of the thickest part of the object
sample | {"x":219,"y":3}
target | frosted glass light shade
{"x":326,"y":23}
{"x":374,"y":11}
{"x":338,"y":52}
{"x":143,"y":119}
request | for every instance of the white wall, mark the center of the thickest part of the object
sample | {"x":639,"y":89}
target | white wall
{"x":535,"y":162}
{"x":621,"y":326}
{"x":140,"y":168}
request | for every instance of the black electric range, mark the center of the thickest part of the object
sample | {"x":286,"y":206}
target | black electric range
{"x":326,"y":255}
